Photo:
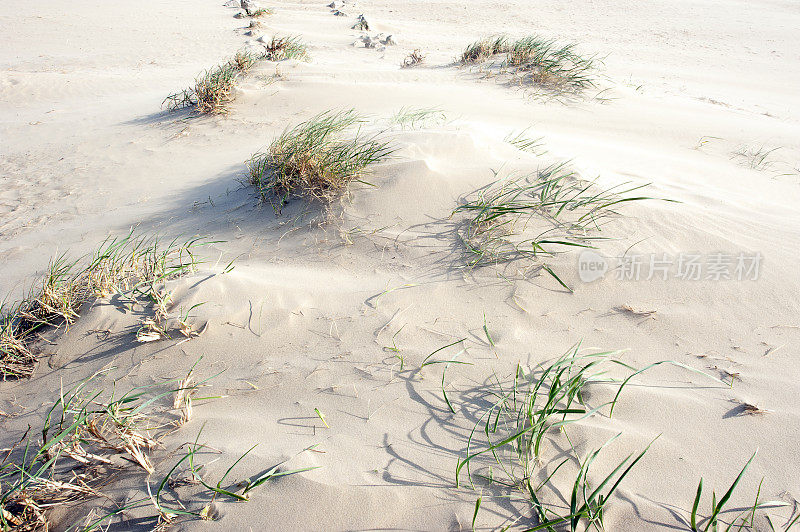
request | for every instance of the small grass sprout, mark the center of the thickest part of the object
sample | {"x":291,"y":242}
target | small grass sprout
{"x":261,"y":12}
{"x":427,"y":361}
{"x":523,"y":141}
{"x":418,"y":117}
{"x":316,"y":159}
{"x":486,"y":331}
{"x":757,"y":158}
{"x":705,"y":140}
{"x":394,"y":347}
{"x":712,"y":523}
{"x":475,"y":512}
{"x":396,"y":350}
{"x":321,"y":417}
{"x":452,"y":360}
{"x":635,"y":312}
{"x":246,"y":486}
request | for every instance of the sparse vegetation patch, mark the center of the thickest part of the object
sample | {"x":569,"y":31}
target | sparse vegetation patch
{"x":316,"y":159}
{"x":523,"y":141}
{"x":535,"y":216}
{"x":514,"y":431}
{"x":485,"y":49}
{"x":131,"y":267}
{"x":536,"y":61}
{"x":418,"y":117}
{"x":280,"y":48}
{"x":87,"y":436}
{"x":757,"y":158}
{"x":510,"y":445}
{"x":213,"y":89}
{"x":90,"y":435}
{"x":261,"y":12}
{"x":414,"y":58}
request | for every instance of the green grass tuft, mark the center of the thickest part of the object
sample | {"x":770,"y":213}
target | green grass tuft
{"x":280,"y":48}
{"x":524,"y":142}
{"x":261,"y":12}
{"x":536,"y":61}
{"x":213,"y":90}
{"x":509,"y":444}
{"x":316,"y":159}
{"x":545,"y":63}
{"x":537,"y":216}
{"x":131,"y":267}
{"x":512,"y":431}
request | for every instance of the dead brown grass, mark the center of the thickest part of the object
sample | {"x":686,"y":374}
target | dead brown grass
{"x":413,"y":59}
{"x":84,"y":442}
{"x":130,"y":267}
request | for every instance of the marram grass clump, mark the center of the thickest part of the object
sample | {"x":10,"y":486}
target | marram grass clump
{"x":537,"y":61}
{"x":130,"y":267}
{"x":546,"y":63}
{"x":513,"y":446}
{"x":485,"y":48}
{"x":213,"y":90}
{"x":261,"y":12}
{"x":280,"y":48}
{"x":536,"y":216}
{"x":316,"y":159}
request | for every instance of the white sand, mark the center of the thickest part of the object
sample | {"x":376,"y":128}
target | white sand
{"x":301,"y":323}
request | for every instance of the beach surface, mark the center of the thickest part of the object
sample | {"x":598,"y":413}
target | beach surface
{"x":317,"y":335}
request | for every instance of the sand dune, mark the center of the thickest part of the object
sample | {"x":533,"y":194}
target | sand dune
{"x":317,"y":335}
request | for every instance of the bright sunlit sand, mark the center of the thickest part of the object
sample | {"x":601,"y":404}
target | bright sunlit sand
{"x":403,"y":265}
